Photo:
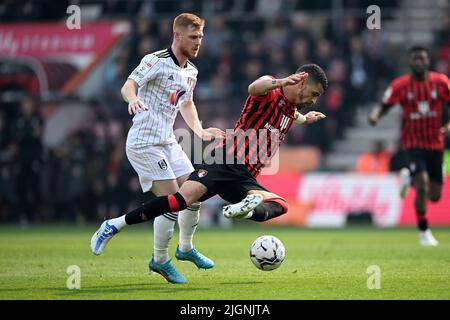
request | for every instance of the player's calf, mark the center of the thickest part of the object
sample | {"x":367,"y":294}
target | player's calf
{"x":156,"y":207}
{"x":269,"y":209}
{"x":255,"y":208}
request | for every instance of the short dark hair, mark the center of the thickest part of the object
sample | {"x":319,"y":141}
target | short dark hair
{"x":418,"y":48}
{"x":316,"y":73}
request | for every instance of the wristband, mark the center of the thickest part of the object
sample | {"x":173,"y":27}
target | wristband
{"x":300,"y":118}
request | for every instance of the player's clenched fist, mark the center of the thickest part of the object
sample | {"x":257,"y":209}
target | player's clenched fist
{"x":136,"y":106}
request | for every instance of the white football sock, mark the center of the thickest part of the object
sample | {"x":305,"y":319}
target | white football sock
{"x":163,"y":227}
{"x":188,"y":221}
{"x":118,"y":222}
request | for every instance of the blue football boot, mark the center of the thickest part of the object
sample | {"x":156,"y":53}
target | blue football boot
{"x":167,"y":270}
{"x":196,"y":257}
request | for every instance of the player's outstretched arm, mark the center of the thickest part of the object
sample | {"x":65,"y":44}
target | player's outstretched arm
{"x":128,"y":91}
{"x":189,"y":113}
{"x":377,"y":113}
{"x":310,"y":117}
{"x":264,"y":84}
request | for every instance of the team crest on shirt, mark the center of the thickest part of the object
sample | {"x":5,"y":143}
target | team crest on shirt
{"x":201,"y":173}
{"x":423,"y":107}
{"x":410,"y":95}
{"x":433,"y":94}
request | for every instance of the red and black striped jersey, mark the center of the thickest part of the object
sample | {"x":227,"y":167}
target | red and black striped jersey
{"x":259,"y":131}
{"x":422,"y":102}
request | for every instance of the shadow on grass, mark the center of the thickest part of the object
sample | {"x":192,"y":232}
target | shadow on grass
{"x":242,"y":282}
{"x":120,"y":288}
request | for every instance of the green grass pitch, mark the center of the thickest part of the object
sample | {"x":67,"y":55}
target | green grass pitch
{"x":320,"y":264}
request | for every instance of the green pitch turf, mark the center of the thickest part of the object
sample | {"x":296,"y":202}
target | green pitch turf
{"x":320,"y":264}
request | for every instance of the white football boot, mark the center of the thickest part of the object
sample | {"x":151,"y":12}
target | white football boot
{"x":243,"y":209}
{"x":102,"y":236}
{"x":427,"y":239}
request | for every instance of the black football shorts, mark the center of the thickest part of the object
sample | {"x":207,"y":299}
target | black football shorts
{"x":430,"y":161}
{"x":230,"y":181}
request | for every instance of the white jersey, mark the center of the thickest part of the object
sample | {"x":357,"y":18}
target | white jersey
{"x":163,"y":86}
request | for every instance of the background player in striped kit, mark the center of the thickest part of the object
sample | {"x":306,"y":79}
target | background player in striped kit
{"x":272,"y":106}
{"x":165,"y":81}
{"x":422,"y":96}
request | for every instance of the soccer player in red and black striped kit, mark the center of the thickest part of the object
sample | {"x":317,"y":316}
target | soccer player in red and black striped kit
{"x":422,"y":95}
{"x":269,"y":111}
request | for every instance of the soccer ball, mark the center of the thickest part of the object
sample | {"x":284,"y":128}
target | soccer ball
{"x":267,"y":252}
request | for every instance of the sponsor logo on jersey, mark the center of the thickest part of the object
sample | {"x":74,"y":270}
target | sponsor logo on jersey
{"x":175,"y":96}
{"x":171,"y":77}
{"x":284,"y":122}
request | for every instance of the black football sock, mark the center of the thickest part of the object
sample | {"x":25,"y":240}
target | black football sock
{"x":156,"y":207}
{"x":422,"y":221}
{"x":268,"y":210}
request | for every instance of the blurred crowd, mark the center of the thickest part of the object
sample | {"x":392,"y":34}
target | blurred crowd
{"x":88,"y":176}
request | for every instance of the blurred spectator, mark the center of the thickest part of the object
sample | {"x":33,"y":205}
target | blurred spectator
{"x":340,"y":31}
{"x":300,"y":53}
{"x":323,"y":55}
{"x":115,"y":77}
{"x":301,"y":28}
{"x":216,"y":35}
{"x":360,"y":73}
{"x":442,"y":43}
{"x":442,"y":35}
{"x":269,"y":8}
{"x":26,"y":142}
{"x":164,"y":33}
{"x":276,"y":36}
{"x":375,"y":161}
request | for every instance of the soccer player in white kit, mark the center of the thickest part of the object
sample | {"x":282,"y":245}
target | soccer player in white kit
{"x":165,"y":81}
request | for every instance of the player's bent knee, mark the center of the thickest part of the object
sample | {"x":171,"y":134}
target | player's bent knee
{"x":435,"y":197}
{"x":195,"y":206}
{"x":177,"y":202}
{"x":421,"y":189}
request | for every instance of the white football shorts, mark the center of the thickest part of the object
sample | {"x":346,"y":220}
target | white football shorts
{"x":158,"y":162}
